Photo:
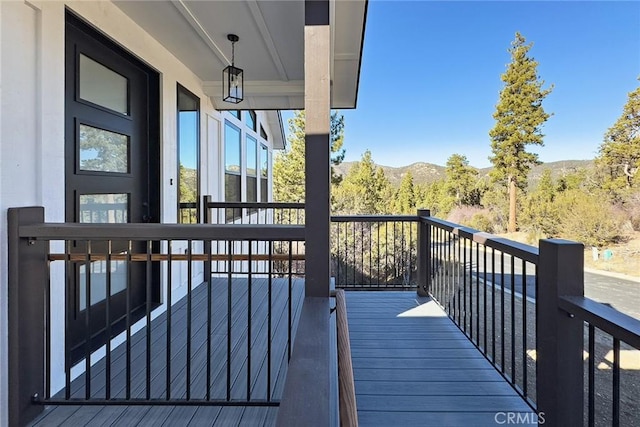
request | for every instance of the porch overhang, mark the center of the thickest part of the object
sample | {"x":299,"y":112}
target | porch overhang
{"x":270,"y":49}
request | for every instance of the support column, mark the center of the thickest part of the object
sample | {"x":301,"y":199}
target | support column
{"x":317,"y":90}
{"x":306,"y":397}
{"x":560,"y":344}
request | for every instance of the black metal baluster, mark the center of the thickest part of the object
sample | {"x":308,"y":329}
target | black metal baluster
{"x":355,"y":258}
{"x":448,"y":273}
{"x":464,"y":283}
{"x":502,"y":307}
{"x":457,"y":291}
{"x":47,"y":331}
{"x":513,"y":322}
{"x":249,"y":301}
{"x":362,"y":227}
{"x":289,"y":301}
{"x":477,"y":274}
{"x":69,"y":273}
{"x":270,"y":285}
{"x":378,"y":225}
{"x":338,"y":255}
{"x":168,"y":345}
{"x":87,"y":320}
{"x":493,"y":305}
{"x":592,"y":379}
{"x":107,"y":311}
{"x":148,"y":310}
{"x":524,"y":328}
{"x":229,"y":283}
{"x":616,"y":382}
{"x":128,"y":317}
{"x":189,"y":316}
{"x":484,"y":298}
{"x":169,"y":305}
{"x":209,"y":283}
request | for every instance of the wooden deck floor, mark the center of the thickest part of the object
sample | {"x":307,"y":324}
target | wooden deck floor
{"x":414,"y":367}
{"x":157,"y":416}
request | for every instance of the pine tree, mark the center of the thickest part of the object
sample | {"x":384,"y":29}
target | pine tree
{"x":619,"y":154}
{"x":461,"y":180}
{"x":405,"y":200}
{"x":288,"y":166}
{"x":365,"y":189}
{"x":519,"y":118}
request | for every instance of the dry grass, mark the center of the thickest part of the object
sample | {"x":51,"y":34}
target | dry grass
{"x":625,"y":259}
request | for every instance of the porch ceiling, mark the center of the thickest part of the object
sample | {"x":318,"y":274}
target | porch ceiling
{"x":270,"y":50}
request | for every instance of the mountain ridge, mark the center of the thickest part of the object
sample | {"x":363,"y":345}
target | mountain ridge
{"x":425,"y":173}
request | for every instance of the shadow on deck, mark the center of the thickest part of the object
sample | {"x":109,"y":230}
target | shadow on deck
{"x":414,"y":367}
{"x":205,"y":415}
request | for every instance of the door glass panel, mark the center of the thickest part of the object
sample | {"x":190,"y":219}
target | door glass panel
{"x":102,"y":86}
{"x":103,"y":208}
{"x":103,"y":151}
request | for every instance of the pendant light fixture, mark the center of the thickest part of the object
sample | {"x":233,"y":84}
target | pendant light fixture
{"x":232,"y":77}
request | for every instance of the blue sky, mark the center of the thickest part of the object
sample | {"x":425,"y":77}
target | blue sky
{"x":449,"y":56}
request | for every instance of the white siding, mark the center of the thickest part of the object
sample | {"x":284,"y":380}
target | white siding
{"x":32,"y":128}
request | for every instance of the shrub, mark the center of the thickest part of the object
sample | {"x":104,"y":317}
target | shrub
{"x":481,"y":222}
{"x":588,"y":219}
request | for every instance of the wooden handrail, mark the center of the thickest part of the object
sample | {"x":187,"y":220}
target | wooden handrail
{"x":346,"y":385}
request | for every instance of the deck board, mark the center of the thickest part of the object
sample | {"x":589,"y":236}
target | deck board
{"x":155,"y":416}
{"x":413,"y":366}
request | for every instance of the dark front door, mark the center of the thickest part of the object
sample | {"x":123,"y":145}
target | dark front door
{"x":111,"y":177}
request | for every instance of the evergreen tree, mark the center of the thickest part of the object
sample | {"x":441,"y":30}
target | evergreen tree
{"x":541,"y":215}
{"x":288,"y":166}
{"x":461,"y":180}
{"x":405,"y":197}
{"x":365,"y":189}
{"x":619,"y":154}
{"x":519,"y":118}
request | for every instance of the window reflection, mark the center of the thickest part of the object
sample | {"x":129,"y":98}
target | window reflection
{"x":103,"y":151}
{"x":188,"y":159}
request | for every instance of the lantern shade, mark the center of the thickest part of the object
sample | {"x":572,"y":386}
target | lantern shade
{"x":232,"y":84}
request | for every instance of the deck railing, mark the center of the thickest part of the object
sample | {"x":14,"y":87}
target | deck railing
{"x":524,"y":308}
{"x":218,"y":338}
{"x":374,"y":252}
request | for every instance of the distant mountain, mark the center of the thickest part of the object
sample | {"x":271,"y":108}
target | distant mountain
{"x":424,"y":173}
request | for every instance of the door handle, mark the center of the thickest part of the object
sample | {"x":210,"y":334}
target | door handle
{"x":146,"y":216}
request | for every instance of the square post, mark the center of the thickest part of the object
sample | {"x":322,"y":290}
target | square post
{"x":560,"y":337}
{"x":317,"y":53}
{"x":307,"y":390}
{"x":27,"y":280}
{"x":424,"y":254}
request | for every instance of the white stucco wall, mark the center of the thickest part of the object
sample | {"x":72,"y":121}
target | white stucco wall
{"x":32,"y":128}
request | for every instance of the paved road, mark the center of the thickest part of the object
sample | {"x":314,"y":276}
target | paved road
{"x":621,"y":294}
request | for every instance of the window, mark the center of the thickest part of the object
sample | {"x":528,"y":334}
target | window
{"x":188,"y":158}
{"x":250,"y":119}
{"x":235,"y":113}
{"x":232,"y":171}
{"x":264,"y":173}
{"x":263,"y":134}
{"x":252,"y":169}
